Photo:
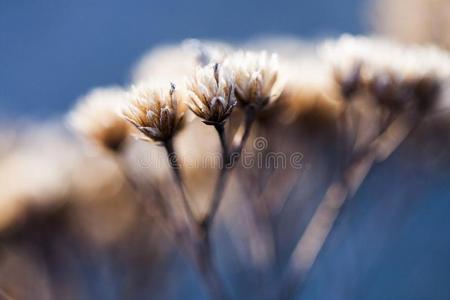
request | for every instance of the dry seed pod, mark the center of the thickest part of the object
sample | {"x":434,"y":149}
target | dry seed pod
{"x":255,"y":76}
{"x":156,"y":112}
{"x":96,"y":117}
{"x":211,"y":94}
{"x":398,"y":76}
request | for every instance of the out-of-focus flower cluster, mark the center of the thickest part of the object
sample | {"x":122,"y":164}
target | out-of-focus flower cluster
{"x":395,"y":74}
{"x":308,"y":79}
{"x":350,"y":83}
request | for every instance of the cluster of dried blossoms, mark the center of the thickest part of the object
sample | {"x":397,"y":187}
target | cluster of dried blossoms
{"x":400,"y":84}
{"x":212,"y":93}
{"x":392,"y":85}
{"x":396,"y":75}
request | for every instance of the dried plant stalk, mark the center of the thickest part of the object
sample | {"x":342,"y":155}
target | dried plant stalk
{"x":199,"y":240}
{"x":329,"y":209}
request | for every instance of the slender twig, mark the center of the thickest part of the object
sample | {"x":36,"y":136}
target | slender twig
{"x":229,"y":161}
{"x":241,"y":137}
{"x":323,"y":220}
{"x":207,"y":270}
{"x":220,"y":128}
{"x":205,"y":262}
{"x":221,"y":180}
{"x":140,"y":193}
{"x":262,"y":214}
{"x":175,"y":166}
{"x":200,"y":241}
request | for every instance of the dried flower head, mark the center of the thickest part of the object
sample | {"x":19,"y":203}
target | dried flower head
{"x":309,"y":88}
{"x":156,"y":112}
{"x":211,"y":94}
{"x":395,"y":74}
{"x":255,"y":76}
{"x":96,"y":117}
{"x":35,"y":174}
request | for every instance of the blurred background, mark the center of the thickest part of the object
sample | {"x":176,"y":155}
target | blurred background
{"x":87,"y":240}
{"x":54,"y":51}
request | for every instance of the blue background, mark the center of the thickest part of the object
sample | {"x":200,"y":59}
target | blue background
{"x":51,"y":52}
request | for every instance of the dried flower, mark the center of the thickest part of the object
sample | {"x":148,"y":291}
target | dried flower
{"x":96,"y":117}
{"x":155,"y":112}
{"x":36,"y":172}
{"x":211,"y":94}
{"x":255,"y":76}
{"x":395,"y":74}
{"x":309,"y":88}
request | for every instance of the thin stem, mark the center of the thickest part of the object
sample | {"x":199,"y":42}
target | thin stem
{"x":207,"y":270}
{"x":325,"y":216}
{"x":221,"y":181}
{"x":175,"y":166}
{"x":142,"y":196}
{"x":205,"y":262}
{"x":229,"y":161}
{"x":220,"y":128}
{"x":124,"y":171}
{"x":242,"y":136}
{"x":200,"y":242}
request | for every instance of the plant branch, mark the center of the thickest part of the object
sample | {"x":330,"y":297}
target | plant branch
{"x":175,"y":166}
{"x":207,"y":270}
{"x":229,"y":160}
{"x":242,"y":135}
{"x":162,"y":217}
{"x":201,"y":249}
{"x":221,"y":181}
{"x":323,"y":220}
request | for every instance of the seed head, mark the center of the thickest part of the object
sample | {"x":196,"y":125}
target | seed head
{"x":96,"y":117}
{"x":155,"y":111}
{"x":398,"y":76}
{"x":309,"y":88}
{"x":255,"y":76}
{"x":211,"y":94}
